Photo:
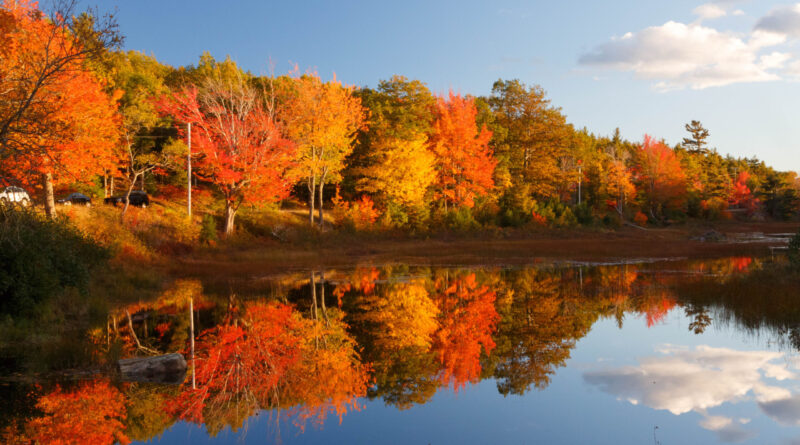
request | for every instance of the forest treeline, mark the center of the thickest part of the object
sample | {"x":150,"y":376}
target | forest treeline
{"x":78,"y":113}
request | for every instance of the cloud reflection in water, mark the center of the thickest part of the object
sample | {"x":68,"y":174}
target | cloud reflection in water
{"x":681,"y":380}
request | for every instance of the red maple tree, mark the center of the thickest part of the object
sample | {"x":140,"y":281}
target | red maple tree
{"x":239,"y":146}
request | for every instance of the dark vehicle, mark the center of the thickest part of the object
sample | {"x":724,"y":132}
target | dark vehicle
{"x":76,"y":199}
{"x":137,"y":198}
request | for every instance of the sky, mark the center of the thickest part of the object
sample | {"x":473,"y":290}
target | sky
{"x":647,"y":67}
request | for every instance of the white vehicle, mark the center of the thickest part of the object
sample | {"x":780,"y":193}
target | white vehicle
{"x":15,"y":195}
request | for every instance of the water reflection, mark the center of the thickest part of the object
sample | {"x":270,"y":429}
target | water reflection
{"x":681,"y":380}
{"x":327,"y":343}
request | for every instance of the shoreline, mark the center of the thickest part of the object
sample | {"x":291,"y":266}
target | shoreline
{"x":521,"y":248}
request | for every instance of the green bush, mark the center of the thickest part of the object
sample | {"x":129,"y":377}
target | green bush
{"x":461,"y":219}
{"x":208,"y":229}
{"x":40,"y":258}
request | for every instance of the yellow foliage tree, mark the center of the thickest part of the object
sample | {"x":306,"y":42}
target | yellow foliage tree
{"x":405,"y":314}
{"x":402,"y":172}
{"x":322,"y":119}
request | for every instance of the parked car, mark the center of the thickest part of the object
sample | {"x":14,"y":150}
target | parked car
{"x":137,"y":198}
{"x":77,"y":199}
{"x":15,"y":195}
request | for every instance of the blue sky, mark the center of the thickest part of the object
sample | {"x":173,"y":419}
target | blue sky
{"x":643,"y":66}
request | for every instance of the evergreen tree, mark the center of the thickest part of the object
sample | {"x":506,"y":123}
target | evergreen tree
{"x":697,"y":142}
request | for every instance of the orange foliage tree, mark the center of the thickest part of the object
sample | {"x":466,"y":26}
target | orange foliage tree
{"x":91,"y":413}
{"x":662,"y":182}
{"x":468,"y":321}
{"x":464,"y":163}
{"x":56,"y":122}
{"x":270,"y":356}
{"x":240,"y":148}
{"x":329,"y":377}
{"x":240,"y":362}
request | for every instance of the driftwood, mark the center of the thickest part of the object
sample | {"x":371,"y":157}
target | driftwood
{"x":169,"y":368}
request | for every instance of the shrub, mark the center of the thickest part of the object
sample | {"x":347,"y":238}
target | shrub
{"x":358,"y":215}
{"x":640,"y":218}
{"x":612,"y":221}
{"x":40,"y":258}
{"x":715,"y":208}
{"x":208,"y":230}
{"x":538,"y":219}
{"x":794,"y":250}
{"x":583,"y":213}
{"x":566,"y":219}
{"x":461,"y":219}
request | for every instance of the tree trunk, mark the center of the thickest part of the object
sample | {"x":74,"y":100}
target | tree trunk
{"x":111,"y":186}
{"x":312,"y":187}
{"x":49,"y":200}
{"x":322,"y":299}
{"x":105,"y":185}
{"x":128,"y":196}
{"x":230,"y":215}
{"x":169,"y":368}
{"x":321,"y":221}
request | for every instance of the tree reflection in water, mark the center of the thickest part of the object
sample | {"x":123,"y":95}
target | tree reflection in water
{"x":396,"y":333}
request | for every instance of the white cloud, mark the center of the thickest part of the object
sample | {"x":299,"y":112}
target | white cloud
{"x":737,"y":12}
{"x":785,"y":411}
{"x":682,"y":381}
{"x":677,"y":55}
{"x":782,"y":20}
{"x":726,"y":429}
{"x":693,"y":380}
{"x":793,"y":70}
{"x":709,"y":11}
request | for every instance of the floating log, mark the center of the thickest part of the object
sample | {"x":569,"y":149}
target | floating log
{"x":169,"y":369}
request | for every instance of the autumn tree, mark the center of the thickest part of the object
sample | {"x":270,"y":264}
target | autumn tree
{"x":533,"y":137}
{"x":141,"y":80}
{"x":397,"y":323}
{"x":239,"y":145}
{"x":240,"y":362}
{"x":464,"y":163}
{"x":662,"y":183}
{"x":92,"y":412}
{"x":620,"y":186}
{"x":322,"y":118}
{"x":742,"y":196}
{"x":56,"y":122}
{"x":468,"y":321}
{"x":399,"y":172}
{"x":391,"y":160}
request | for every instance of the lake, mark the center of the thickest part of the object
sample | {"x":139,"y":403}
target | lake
{"x":635,"y":352}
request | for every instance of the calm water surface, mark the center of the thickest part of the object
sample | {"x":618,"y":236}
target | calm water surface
{"x":667,"y":352}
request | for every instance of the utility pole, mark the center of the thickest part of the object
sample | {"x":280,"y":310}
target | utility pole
{"x":189,"y":171}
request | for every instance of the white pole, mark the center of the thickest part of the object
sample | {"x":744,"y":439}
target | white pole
{"x":191,"y":334}
{"x":189,"y":171}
